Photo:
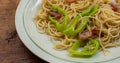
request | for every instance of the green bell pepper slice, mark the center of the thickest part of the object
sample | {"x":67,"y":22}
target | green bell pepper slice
{"x":89,"y":12}
{"x":89,"y":50}
{"x":59,"y":26}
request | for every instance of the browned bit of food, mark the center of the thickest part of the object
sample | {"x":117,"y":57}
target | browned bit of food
{"x":55,"y":14}
{"x":94,"y":33}
{"x":84,"y":35}
{"x":115,"y":6}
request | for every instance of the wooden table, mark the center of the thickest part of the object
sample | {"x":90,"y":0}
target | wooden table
{"x":12,"y":49}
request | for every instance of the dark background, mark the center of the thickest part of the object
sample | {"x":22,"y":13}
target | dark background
{"x":12,"y":49}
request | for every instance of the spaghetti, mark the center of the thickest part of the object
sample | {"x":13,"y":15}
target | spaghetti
{"x":106,"y":22}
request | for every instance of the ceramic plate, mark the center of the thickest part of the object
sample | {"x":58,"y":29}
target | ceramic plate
{"x":41,"y":45}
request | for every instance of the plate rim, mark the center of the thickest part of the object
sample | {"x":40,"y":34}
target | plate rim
{"x":18,"y":15}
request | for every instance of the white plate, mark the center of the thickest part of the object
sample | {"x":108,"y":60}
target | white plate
{"x":40,"y":44}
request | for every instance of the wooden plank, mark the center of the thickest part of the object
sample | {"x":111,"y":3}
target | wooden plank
{"x":12,"y":49}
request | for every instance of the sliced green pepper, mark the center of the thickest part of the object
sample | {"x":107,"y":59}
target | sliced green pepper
{"x":89,"y":50}
{"x":59,"y":26}
{"x":70,"y":29}
{"x":90,"y":12}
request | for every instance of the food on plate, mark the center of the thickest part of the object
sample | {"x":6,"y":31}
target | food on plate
{"x":72,"y":24}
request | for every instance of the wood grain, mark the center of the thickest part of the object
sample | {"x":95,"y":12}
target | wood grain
{"x":12,"y":49}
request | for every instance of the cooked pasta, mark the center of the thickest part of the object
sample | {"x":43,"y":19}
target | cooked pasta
{"x":106,"y":22}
